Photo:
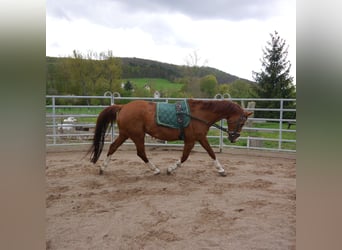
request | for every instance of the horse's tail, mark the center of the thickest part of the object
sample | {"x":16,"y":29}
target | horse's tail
{"x":107,"y":116}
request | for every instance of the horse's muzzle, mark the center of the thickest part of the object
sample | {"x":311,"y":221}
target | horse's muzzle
{"x":232,"y":136}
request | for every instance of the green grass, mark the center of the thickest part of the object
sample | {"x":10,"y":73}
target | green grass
{"x":155,"y":84}
{"x":270,"y":135}
{"x":259,"y":134}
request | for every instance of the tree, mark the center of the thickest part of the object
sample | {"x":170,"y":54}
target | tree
{"x":274,"y":80}
{"x":208,"y":85}
{"x":88,"y":74}
{"x":194,"y":62}
{"x":192,"y":75}
{"x":239,"y":89}
{"x":111,"y":70}
{"x":78,"y":68}
{"x":128,"y":86}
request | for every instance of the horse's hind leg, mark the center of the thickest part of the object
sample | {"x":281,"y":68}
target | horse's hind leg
{"x":140,"y":145}
{"x":112,"y":148}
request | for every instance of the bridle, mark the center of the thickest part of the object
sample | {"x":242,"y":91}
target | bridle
{"x":231,"y":134}
{"x":235,"y":134}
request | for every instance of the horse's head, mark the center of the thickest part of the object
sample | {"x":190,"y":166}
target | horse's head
{"x":235,"y":124}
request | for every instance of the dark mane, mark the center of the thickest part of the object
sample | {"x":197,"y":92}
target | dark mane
{"x":219,"y":106}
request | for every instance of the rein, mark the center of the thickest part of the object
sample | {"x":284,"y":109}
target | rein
{"x":207,"y":123}
{"x":218,"y":126}
{"x":221,"y":128}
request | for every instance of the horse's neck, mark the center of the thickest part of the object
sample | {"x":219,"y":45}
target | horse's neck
{"x":217,"y":117}
{"x":207,"y":113}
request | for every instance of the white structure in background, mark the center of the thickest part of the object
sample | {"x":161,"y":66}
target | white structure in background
{"x":68,"y":123}
{"x":147,"y":87}
{"x":70,"y":119}
{"x":156,"y":94}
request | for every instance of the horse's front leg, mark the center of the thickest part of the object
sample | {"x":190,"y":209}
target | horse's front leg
{"x":188,"y":146}
{"x":205,"y":144}
{"x":219,"y":168}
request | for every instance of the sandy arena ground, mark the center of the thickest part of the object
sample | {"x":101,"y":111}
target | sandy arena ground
{"x":253,"y":207}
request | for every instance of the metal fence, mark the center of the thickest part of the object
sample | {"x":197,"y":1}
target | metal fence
{"x":70,"y":120}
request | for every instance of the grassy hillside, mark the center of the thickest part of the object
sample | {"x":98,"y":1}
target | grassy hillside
{"x":137,"y":67}
{"x":143,"y":68}
{"x":155,"y":83}
{"x":94,"y":77}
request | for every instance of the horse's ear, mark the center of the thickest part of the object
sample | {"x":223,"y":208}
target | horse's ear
{"x":248,"y":113}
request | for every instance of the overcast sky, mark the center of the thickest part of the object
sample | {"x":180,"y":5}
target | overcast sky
{"x":225,"y":34}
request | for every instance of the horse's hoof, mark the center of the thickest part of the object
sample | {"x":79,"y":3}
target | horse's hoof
{"x":101,"y":172}
{"x":223,"y":173}
{"x":169,"y":171}
{"x":156,"y":172}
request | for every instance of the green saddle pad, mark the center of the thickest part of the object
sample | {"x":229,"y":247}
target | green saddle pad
{"x":167,"y":115}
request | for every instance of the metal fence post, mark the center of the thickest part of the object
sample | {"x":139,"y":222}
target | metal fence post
{"x":109,"y":93}
{"x":222,"y":96}
{"x":54,"y":120}
{"x":112,"y":102}
{"x":115,"y":94}
{"x":281,"y":123}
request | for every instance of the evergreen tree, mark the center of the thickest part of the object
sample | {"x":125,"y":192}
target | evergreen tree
{"x":274,"y":80}
{"x":128,"y":86}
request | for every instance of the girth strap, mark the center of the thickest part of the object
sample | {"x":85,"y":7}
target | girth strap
{"x":180,"y":119}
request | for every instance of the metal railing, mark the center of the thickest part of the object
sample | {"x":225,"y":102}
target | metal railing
{"x":70,"y":120}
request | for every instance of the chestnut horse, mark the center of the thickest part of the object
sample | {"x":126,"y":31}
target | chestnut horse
{"x":137,"y":118}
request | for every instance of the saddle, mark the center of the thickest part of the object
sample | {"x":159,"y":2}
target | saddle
{"x":175,"y":115}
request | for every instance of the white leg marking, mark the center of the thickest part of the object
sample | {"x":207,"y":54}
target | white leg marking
{"x":105,"y":163}
{"x":173,"y":167}
{"x":218,"y":166}
{"x":153,"y":167}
